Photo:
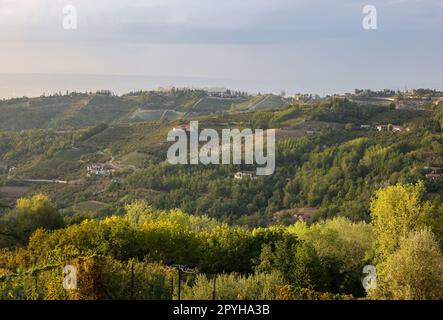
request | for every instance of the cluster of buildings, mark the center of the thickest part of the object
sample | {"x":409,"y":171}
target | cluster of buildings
{"x":385,"y":127}
{"x":305,"y":98}
{"x":389,"y":127}
{"x":245,"y":175}
{"x":433,"y":173}
{"x":225,"y":94}
{"x":99,"y":169}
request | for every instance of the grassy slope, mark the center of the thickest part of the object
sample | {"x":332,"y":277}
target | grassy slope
{"x":61,"y":112}
{"x":88,"y":110}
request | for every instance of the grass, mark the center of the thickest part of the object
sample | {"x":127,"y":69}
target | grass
{"x":216,"y":104}
{"x":62,"y":112}
{"x":172,"y":115}
{"x":271,"y":102}
{"x":154,"y":115}
{"x":135,"y":159}
{"x":72,"y":154}
{"x":147,"y":115}
{"x":89,"y":206}
{"x":13,"y":191}
{"x":238,"y":106}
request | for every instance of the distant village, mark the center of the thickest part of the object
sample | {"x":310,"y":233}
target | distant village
{"x":99,"y":170}
{"x":414,"y":99}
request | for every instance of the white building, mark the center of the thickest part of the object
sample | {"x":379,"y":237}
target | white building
{"x":99,"y":170}
{"x":245,"y":174}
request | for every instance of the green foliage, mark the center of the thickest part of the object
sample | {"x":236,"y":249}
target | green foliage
{"x":22,"y":146}
{"x":334,"y":172}
{"x":93,"y":131}
{"x":408,"y":255}
{"x":29,"y":215}
{"x":97,"y":278}
{"x":395,"y":212}
{"x":345,"y":111}
{"x":139,"y":212}
{"x":323,"y":260}
{"x":414,"y":271}
{"x":163,"y":237}
{"x":328,"y":256}
{"x":259,"y":286}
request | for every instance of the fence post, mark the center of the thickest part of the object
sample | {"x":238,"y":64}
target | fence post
{"x":213,"y":288}
{"x":179,"y":283}
{"x":132,"y":280}
{"x":36,"y":285}
{"x":172,"y":286}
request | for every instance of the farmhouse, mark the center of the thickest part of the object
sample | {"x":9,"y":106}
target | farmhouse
{"x":434,"y":173}
{"x":433,"y":176}
{"x":385,"y":127}
{"x":244,"y":174}
{"x":299,"y":97}
{"x":99,"y":169}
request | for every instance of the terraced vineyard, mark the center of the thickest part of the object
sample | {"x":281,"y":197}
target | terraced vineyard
{"x":86,"y":109}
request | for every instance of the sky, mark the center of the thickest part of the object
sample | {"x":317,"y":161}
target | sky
{"x":316,"y":46}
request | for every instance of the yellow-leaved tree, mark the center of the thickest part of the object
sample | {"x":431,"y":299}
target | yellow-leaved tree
{"x":408,"y":256}
{"x":396,"y":211}
{"x":415,"y":270}
{"x":29,"y":215}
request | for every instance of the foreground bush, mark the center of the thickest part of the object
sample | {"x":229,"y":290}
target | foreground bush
{"x":98,"y":278}
{"x":260,"y":286}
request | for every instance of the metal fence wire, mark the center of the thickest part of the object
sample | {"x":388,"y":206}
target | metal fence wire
{"x":102,"y":278}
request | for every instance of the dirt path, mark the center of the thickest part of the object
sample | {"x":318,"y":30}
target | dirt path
{"x":196,"y":104}
{"x":44,"y":181}
{"x":254,"y":106}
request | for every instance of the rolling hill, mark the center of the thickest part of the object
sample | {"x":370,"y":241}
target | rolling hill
{"x":77,"y":110}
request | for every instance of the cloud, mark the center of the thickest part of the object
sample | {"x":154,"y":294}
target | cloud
{"x":308,"y":44}
{"x":206,"y":21}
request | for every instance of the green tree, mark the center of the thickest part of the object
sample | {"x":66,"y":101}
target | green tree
{"x":343,"y":248}
{"x":29,"y":215}
{"x":414,"y":271}
{"x":396,"y":211}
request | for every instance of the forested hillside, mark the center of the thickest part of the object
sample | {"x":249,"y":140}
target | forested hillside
{"x":77,"y":110}
{"x":83,"y":180}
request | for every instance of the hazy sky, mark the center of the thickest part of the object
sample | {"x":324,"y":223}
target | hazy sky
{"x":267,"y":45}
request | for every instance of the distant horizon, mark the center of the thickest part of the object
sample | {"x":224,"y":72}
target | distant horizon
{"x":253,"y":45}
{"x":32,"y":85}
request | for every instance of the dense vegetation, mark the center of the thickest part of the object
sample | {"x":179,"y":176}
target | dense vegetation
{"x":324,"y":258}
{"x":372,"y":201}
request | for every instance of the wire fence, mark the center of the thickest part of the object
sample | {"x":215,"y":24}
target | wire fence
{"x":102,"y":278}
{"x":89,"y":278}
